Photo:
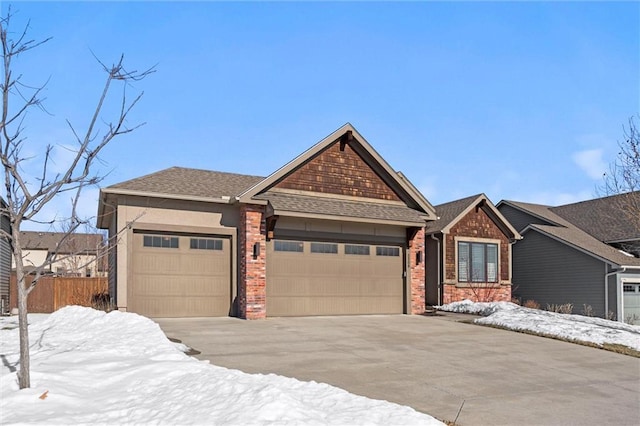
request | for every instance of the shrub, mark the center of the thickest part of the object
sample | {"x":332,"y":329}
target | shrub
{"x":587,"y":310}
{"x":516,"y":300}
{"x":566,"y":308}
{"x":102,"y":302}
{"x":531,"y":304}
{"x":611,"y":316}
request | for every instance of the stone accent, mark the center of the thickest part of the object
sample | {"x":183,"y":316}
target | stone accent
{"x":417,"y":273}
{"x":477,"y":293}
{"x":252,"y":291}
{"x":339,"y":172}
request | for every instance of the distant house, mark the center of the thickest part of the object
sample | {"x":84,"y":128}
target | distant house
{"x":468,"y":252}
{"x":583,"y":253}
{"x":76,"y":255}
{"x":5,"y":257}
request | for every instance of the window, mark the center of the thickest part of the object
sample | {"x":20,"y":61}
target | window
{"x":356,"y":249}
{"x":324,"y":248}
{"x":291,"y":246}
{"x":206,"y":244}
{"x":160,"y":241}
{"x":629,"y":288}
{"x":388,"y":251}
{"x":477,"y":262}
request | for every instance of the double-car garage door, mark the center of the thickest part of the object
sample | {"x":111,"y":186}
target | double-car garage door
{"x":180,"y":275}
{"x":326,"y":278}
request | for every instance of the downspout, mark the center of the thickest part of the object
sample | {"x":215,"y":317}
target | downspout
{"x":606,"y":290}
{"x":438,"y":268}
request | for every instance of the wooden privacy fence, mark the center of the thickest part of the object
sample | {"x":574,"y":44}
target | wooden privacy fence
{"x":53,"y":293}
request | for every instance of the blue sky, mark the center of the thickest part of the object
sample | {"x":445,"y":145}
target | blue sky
{"x":521,"y":101}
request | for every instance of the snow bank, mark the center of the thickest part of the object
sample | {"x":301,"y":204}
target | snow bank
{"x":120,"y":368}
{"x":572,"y":327}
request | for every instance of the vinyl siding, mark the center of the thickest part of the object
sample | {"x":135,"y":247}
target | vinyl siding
{"x":550,"y":272}
{"x":520,"y":219}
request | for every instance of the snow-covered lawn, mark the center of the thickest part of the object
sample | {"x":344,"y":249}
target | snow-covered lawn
{"x":92,"y":367}
{"x":571,"y":327}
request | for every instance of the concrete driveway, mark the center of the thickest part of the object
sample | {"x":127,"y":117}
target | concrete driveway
{"x":433,"y":364}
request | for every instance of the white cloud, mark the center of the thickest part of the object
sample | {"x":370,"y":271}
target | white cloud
{"x":591,"y":162}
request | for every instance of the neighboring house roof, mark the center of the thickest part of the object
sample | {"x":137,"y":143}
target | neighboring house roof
{"x":53,"y":241}
{"x":585,"y":242}
{"x":325,"y":206}
{"x":450,"y":213}
{"x":565,"y":231}
{"x":180,"y":181}
{"x":602,"y":218}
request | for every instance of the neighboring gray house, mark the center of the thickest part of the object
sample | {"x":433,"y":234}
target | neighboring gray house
{"x":5,"y":258}
{"x":574,"y":254}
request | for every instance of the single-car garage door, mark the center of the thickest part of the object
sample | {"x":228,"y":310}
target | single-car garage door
{"x":323,"y":278}
{"x":180,"y":275}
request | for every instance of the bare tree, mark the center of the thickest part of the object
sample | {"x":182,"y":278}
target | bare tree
{"x":27,"y":194}
{"x":623,"y":177}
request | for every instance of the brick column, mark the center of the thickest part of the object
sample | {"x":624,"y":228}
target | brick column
{"x":252,"y":291}
{"x":417,"y":273}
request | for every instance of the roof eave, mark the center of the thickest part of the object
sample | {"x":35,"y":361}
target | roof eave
{"x":291,"y":213}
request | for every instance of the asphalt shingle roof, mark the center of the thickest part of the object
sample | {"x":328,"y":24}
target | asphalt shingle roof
{"x":572,"y":234}
{"x":341,"y":207}
{"x":194,"y":182}
{"x":579,"y":238}
{"x":447,"y":212}
{"x":603,"y":217}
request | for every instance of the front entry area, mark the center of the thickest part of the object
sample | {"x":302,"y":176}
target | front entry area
{"x":334,"y":278}
{"x":180,"y":275}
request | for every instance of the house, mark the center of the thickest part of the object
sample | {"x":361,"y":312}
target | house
{"x":574,"y":254}
{"x":468,"y":252}
{"x":5,"y":257}
{"x":74,"y":254}
{"x":335,"y":231}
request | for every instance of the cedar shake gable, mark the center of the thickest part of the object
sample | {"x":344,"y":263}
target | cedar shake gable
{"x":345,"y":166}
{"x":449,"y":214}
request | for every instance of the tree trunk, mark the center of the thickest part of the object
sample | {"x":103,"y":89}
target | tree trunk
{"x":24,"y":379}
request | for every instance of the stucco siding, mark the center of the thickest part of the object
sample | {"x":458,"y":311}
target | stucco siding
{"x":550,"y":272}
{"x":170,"y":216}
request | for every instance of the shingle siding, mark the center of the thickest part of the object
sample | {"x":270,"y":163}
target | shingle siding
{"x":550,"y":272}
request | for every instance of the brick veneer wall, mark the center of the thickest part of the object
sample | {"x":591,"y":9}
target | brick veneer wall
{"x":417,"y":273}
{"x":252,"y":292}
{"x":339,"y":172}
{"x":476,"y":224}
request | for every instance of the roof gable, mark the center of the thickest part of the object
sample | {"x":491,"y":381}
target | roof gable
{"x":449,"y":214}
{"x":344,"y":151}
{"x":338,"y":169}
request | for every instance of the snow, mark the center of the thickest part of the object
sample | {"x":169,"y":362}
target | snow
{"x":567,"y":326}
{"x":120,"y":368}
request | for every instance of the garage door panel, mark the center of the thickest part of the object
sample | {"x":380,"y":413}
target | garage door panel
{"x":180,"y":281}
{"x":333,"y":283}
